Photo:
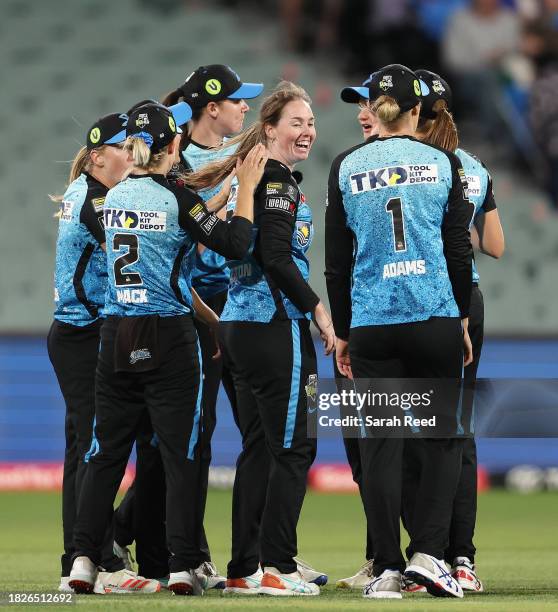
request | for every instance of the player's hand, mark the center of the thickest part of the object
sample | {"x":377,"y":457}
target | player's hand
{"x":323,"y":322}
{"x":467,"y":344}
{"x":343,"y":358}
{"x":250,"y":171}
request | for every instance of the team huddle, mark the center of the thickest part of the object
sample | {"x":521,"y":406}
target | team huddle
{"x":181,"y":264}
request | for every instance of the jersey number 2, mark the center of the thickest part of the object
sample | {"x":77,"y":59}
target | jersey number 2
{"x":123,"y":279}
{"x":395,"y":208}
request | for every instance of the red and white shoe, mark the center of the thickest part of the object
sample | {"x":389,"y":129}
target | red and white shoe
{"x":249,"y":585}
{"x":83,"y":575}
{"x":184,"y":583}
{"x":125,"y":581}
{"x":285,"y":585}
{"x":409,"y":586}
{"x":464,"y":572}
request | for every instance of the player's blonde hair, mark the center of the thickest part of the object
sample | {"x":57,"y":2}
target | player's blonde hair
{"x":270,"y":114}
{"x":80,"y":164}
{"x":142,"y":155}
{"x":386,"y":109}
{"x":440,"y":131}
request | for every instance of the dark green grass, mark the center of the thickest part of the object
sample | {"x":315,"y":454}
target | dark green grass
{"x":517,"y":539}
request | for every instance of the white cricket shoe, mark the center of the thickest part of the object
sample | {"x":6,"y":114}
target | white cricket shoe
{"x":125,"y":581}
{"x":83,"y":575}
{"x":464,"y":572}
{"x":209,"y":577}
{"x":360,"y":579}
{"x":309,"y":573}
{"x":184,"y":583}
{"x":249,"y":585}
{"x":123,"y":552}
{"x":285,"y":585}
{"x":433,"y":574}
{"x":385,"y":586}
{"x":64,"y":586}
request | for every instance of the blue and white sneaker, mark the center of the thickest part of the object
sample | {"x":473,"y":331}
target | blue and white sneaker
{"x":309,"y":573}
{"x":433,"y":574}
{"x":385,"y":586}
{"x":285,"y":585}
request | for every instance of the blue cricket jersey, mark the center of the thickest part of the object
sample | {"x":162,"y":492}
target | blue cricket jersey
{"x":152,"y":227}
{"x":400,"y":205}
{"x":479,"y":188}
{"x":210,"y":275}
{"x":271,"y":281}
{"x":80,"y":276}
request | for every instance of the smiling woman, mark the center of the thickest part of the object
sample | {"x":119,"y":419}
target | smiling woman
{"x":266,"y":334}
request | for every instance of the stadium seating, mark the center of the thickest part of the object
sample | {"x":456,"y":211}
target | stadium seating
{"x":69,"y":62}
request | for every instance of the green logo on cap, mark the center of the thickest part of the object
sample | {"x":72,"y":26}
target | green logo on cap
{"x":213,"y":87}
{"x":416,"y":85}
{"x":172,"y":124}
{"x":95,"y":135}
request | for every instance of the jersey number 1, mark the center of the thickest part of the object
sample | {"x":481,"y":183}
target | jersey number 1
{"x":123,"y":279}
{"x":395,"y":208}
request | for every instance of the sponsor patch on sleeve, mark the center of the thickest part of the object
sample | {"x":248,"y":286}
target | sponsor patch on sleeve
{"x":98,"y":204}
{"x":198,"y":212}
{"x":209,"y":224}
{"x":66,"y":209}
{"x":463,"y":183}
{"x":273,"y":188}
{"x":281,"y":204}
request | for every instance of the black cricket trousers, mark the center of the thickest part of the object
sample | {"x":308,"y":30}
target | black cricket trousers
{"x":352,"y":451}
{"x":271,"y":366}
{"x":425,"y":349}
{"x":73,"y":352}
{"x":171,"y":394}
{"x":142,"y":506}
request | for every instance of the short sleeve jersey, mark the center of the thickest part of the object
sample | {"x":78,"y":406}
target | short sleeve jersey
{"x":152,"y":227}
{"x":479,"y":187}
{"x":271,"y":282}
{"x":210,"y":275}
{"x":393,"y":195}
{"x":80,"y":275}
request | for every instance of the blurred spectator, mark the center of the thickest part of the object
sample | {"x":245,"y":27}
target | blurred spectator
{"x":540,"y":43}
{"x":477,"y":41}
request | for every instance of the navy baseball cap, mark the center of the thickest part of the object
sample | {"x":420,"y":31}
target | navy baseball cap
{"x":394,"y":80}
{"x":439,"y":90}
{"x":156,"y":124}
{"x":214,"y":83}
{"x":110,"y":129}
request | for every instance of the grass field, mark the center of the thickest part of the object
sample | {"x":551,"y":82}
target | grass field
{"x":517,"y":538}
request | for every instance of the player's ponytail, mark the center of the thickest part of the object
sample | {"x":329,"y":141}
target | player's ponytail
{"x":386,"y":109}
{"x":141,"y":154}
{"x":270,"y":114}
{"x":440,"y":131}
{"x":80,"y":164}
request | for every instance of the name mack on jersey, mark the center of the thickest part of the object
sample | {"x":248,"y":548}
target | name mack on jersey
{"x":404,"y":268}
{"x":132,"y":296}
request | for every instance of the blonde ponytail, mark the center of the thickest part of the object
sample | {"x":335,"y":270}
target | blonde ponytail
{"x":142,"y":155}
{"x":386,"y":109}
{"x":81,"y":163}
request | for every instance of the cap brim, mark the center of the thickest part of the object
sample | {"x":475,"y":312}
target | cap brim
{"x":182,"y":113}
{"x":120,"y":137}
{"x":352,"y":95}
{"x":247,"y":91}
